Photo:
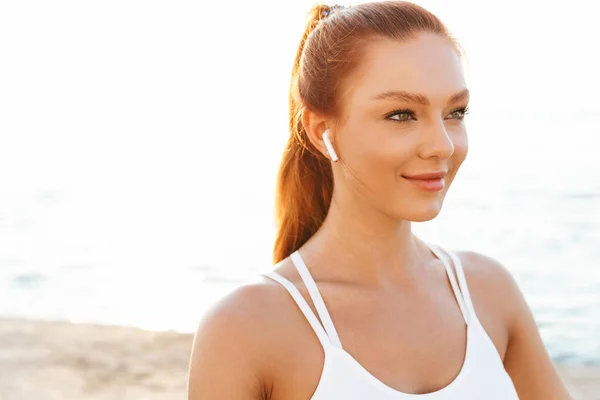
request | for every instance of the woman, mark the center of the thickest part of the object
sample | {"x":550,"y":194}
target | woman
{"x":358,"y":307}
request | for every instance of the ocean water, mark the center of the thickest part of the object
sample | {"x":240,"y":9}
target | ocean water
{"x":97,"y":252}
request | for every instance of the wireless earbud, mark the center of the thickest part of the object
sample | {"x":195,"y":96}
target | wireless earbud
{"x":329,"y":146}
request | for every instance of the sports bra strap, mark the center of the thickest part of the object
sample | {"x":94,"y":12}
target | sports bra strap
{"x":462,"y":281}
{"x":303,"y":305}
{"x":460,"y":299}
{"x":317,"y":300}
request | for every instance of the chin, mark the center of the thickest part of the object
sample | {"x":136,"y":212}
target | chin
{"x":423,"y":212}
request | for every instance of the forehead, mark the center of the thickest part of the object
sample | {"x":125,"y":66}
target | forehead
{"x":428,"y":64}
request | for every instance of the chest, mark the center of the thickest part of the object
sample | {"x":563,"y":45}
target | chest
{"x":411,"y":345}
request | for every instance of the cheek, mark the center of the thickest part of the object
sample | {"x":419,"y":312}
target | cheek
{"x":377,"y":152}
{"x":461,"y":149}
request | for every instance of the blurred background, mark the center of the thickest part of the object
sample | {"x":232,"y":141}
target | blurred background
{"x":139,"y":143}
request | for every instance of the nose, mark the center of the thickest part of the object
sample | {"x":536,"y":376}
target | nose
{"x":436,"y":142}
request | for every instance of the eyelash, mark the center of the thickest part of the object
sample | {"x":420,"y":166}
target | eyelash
{"x":464,"y":111}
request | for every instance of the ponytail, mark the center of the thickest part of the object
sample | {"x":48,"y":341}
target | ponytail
{"x":305,"y":179}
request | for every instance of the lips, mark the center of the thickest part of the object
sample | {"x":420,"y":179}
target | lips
{"x":427,"y":176}
{"x":430,"y":181}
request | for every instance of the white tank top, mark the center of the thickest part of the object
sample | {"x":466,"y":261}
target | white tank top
{"x":482,"y":375}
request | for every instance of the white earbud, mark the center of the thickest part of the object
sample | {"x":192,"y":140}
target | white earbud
{"x":329,"y":146}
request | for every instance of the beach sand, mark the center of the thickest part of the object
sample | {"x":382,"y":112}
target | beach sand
{"x":53,"y":360}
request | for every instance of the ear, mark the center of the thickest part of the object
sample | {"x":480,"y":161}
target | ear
{"x":314,"y":125}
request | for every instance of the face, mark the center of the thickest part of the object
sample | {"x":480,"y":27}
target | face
{"x":402,"y":135}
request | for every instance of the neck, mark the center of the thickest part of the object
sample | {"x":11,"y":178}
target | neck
{"x":364,"y":247}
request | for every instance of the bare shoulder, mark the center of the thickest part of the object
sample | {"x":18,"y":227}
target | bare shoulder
{"x":236,"y":337}
{"x":491,"y":282}
{"x":484,"y":269}
{"x":250,"y":314}
{"x":245,"y":307}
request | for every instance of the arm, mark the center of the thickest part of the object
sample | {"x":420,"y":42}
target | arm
{"x":226,"y":355}
{"x":526,"y":360}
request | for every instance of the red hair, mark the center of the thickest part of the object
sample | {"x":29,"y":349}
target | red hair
{"x":330,"y":49}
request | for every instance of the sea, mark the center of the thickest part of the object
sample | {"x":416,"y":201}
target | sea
{"x":158,"y":252}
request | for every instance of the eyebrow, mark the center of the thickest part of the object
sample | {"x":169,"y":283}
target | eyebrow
{"x":418,"y":98}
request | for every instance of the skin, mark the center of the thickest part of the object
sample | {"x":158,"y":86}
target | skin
{"x":389,"y":296}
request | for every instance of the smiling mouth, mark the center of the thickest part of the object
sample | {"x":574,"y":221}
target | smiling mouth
{"x":430,"y":182}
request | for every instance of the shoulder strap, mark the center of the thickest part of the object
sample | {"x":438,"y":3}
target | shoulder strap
{"x":302,"y":305}
{"x":317,"y":300}
{"x":462,"y":281}
{"x":459,"y":294}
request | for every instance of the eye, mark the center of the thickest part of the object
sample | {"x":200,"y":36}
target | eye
{"x":403,"y":115}
{"x":459,"y":114}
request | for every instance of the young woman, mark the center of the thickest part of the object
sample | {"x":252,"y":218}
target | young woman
{"x":358,"y":307}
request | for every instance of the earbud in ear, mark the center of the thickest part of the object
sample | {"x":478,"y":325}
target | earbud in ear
{"x":329,"y":146}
